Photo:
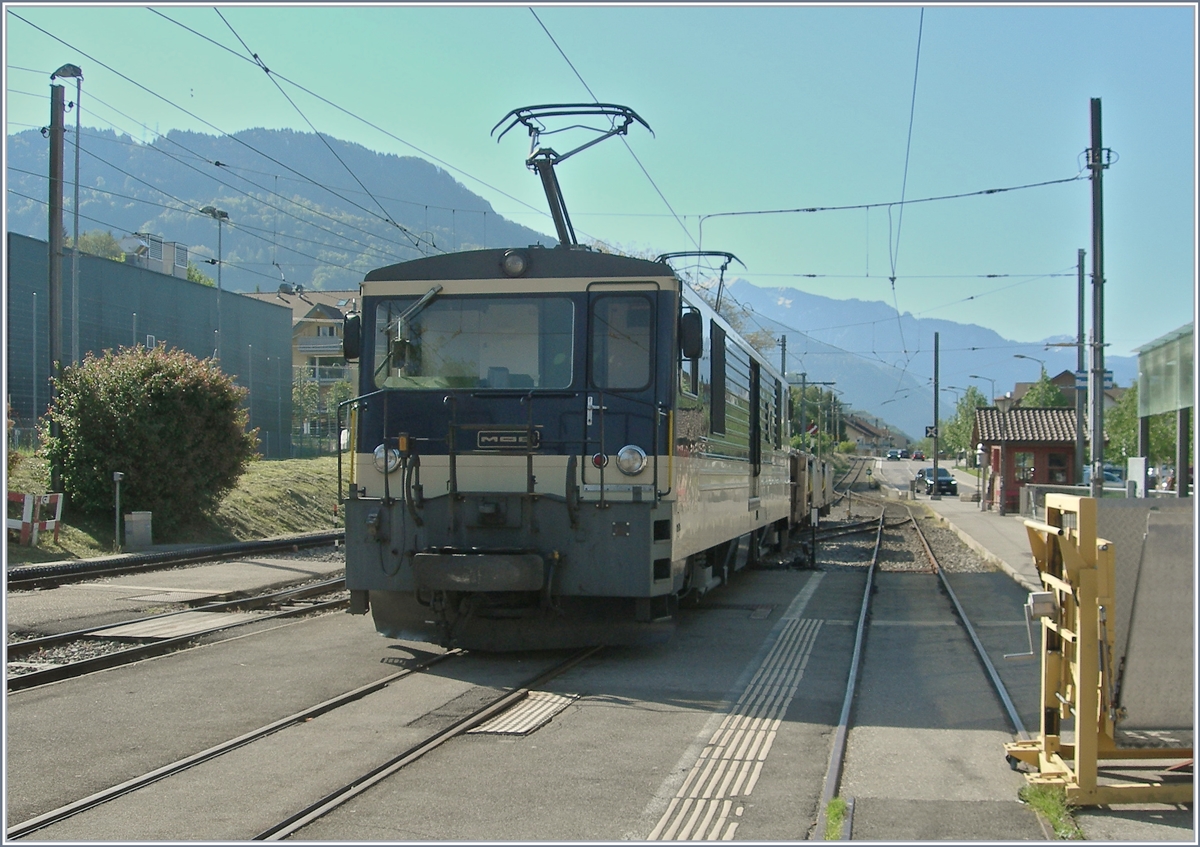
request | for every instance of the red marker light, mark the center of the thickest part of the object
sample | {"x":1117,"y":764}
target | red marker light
{"x":600,"y":460}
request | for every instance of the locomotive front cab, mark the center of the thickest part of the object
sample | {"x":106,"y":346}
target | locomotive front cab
{"x":511,"y":470}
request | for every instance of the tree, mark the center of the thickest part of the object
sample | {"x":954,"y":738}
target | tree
{"x":306,"y":399}
{"x":338,"y":393}
{"x":172,"y":424}
{"x":99,"y":243}
{"x":1044,"y":393}
{"x":955,"y":434}
{"x":1121,"y":427}
{"x":194,"y":275}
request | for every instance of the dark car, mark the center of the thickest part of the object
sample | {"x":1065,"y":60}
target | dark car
{"x":946,"y":483}
{"x":893,"y":455}
{"x":903,"y":454}
{"x":918,"y":455}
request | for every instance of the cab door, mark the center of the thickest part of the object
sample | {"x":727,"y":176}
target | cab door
{"x":622,"y":377}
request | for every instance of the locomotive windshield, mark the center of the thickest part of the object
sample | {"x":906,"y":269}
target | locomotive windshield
{"x":474,"y":342}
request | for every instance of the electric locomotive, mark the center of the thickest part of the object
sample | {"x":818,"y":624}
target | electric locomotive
{"x":551,"y":446}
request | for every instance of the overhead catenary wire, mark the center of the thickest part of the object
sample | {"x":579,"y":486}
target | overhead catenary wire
{"x":306,"y":208}
{"x":534,"y":209}
{"x":192,"y":115}
{"x":596,"y":99}
{"x":416,"y":239}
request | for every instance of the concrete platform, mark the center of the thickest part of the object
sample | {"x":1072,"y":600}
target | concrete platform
{"x":1003,"y":541}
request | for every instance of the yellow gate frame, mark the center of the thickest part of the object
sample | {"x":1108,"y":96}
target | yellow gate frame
{"x":1078,"y":677}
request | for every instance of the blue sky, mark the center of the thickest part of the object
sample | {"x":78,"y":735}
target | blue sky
{"x":753,"y":108}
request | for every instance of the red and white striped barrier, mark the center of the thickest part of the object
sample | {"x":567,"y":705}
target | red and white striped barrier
{"x":31,"y":521}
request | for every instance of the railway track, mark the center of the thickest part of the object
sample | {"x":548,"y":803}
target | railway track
{"x":53,"y":574}
{"x":952,"y":608}
{"x":35,"y":661}
{"x":493,"y":706}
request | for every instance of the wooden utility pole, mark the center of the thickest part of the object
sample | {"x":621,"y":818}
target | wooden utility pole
{"x":57,"y":133}
{"x":1097,"y":164}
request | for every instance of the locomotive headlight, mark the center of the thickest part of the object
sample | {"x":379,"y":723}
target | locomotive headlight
{"x":514,"y":263}
{"x":631,"y":459}
{"x":393,"y":459}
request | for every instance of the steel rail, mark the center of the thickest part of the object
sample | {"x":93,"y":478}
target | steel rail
{"x":336,"y":798}
{"x":117,"y":658}
{"x":57,"y":572}
{"x":24,"y":648}
{"x":101,"y":797}
{"x":1001,"y":691}
{"x":833,"y":773}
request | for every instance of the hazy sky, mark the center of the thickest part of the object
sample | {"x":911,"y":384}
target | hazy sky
{"x":753,"y":108}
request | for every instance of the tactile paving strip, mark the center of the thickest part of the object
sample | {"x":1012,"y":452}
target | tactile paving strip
{"x":532,"y":713}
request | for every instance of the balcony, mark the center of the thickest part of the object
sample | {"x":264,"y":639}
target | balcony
{"x":324,"y":374}
{"x":319,"y":345}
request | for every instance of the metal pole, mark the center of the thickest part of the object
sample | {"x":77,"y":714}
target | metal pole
{"x":935,"y":495}
{"x":35,"y":406}
{"x":1096,"y":381}
{"x":219,"y":262}
{"x":250,"y":394}
{"x":279,"y":408}
{"x":803,"y":423}
{"x":1080,"y":366}
{"x":56,"y":247}
{"x":75,"y":243}
{"x":135,"y":329}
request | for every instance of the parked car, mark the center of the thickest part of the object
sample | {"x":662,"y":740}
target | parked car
{"x":893,"y":455}
{"x":946,"y":483}
{"x":918,"y":455}
{"x":1111,"y":476}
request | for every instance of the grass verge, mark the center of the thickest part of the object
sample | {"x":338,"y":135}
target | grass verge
{"x":835,"y":817}
{"x":271,"y":498}
{"x":1051,"y":802}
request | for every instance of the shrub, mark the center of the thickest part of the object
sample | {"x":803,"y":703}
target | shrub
{"x":13,"y":457}
{"x":173,"y":424}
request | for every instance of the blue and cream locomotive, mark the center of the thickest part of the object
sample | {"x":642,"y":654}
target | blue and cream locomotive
{"x":551,"y":447}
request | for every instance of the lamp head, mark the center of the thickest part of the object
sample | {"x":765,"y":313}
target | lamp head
{"x":67,"y":72}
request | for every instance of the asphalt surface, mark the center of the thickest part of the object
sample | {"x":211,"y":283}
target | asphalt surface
{"x":1002,"y":540}
{"x":639,"y":753}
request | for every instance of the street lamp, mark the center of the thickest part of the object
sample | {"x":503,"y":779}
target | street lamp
{"x":985,"y":379}
{"x":219,"y":215}
{"x":73,"y":72}
{"x":1003,"y":404}
{"x":1032,"y":359}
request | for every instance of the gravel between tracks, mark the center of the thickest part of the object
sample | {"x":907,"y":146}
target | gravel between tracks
{"x":901,"y":550}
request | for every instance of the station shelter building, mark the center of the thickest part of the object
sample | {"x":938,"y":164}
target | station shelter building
{"x":1165,"y":384}
{"x":1024,"y":446}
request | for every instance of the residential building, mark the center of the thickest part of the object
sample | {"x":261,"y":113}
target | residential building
{"x":317,"y":318}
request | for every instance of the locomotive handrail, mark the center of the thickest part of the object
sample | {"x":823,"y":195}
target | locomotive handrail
{"x":352,"y":400}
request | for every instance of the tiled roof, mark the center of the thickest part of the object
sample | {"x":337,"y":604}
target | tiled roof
{"x":1025,"y":425}
{"x":303,"y":304}
{"x":866,"y":428}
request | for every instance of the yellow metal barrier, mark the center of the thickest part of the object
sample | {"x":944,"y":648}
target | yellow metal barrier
{"x":1080,"y":679}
